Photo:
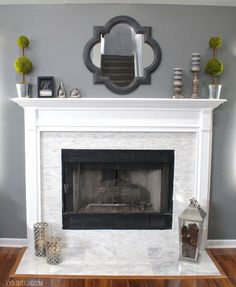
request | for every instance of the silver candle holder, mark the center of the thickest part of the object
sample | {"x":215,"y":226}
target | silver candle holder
{"x":195,"y":69}
{"x":53,"y":250}
{"x":178,"y":83}
{"x":40,"y":237}
{"x":61,"y":92}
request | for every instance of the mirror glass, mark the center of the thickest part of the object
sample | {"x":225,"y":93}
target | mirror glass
{"x":122,"y":55}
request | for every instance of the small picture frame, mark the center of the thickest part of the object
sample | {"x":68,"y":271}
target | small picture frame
{"x":45,"y":87}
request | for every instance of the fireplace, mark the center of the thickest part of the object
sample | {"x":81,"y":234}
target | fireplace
{"x":52,"y":125}
{"x":117,"y":189}
{"x":182,"y":127}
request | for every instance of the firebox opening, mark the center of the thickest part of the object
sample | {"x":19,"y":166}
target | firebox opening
{"x":117,"y":189}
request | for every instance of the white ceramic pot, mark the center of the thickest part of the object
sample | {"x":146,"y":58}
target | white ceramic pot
{"x":23,"y":90}
{"x":214,"y":91}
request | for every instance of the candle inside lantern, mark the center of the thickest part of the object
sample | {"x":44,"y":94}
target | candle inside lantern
{"x":41,"y":243}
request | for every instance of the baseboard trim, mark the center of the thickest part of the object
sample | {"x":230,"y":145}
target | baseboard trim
{"x":228,"y":243}
{"x":13,"y":242}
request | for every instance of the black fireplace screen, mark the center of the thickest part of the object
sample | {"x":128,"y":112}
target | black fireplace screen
{"x":117,"y":189}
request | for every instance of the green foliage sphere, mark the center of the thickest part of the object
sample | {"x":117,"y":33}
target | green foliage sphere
{"x":214,"y":67}
{"x":215,"y":42}
{"x":23,"y":42}
{"x":23,"y":65}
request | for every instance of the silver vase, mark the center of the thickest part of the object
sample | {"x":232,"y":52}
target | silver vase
{"x":23,"y":90}
{"x":214,"y":91}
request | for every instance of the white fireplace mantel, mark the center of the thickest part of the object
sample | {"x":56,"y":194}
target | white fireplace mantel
{"x":122,"y":114}
{"x":107,"y":103}
{"x":117,"y":103}
{"x":116,"y":115}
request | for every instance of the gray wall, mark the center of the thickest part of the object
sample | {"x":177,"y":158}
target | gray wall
{"x":58,"y":34}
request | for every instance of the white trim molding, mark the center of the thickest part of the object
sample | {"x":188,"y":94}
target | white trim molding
{"x":224,"y":243}
{"x":169,"y":2}
{"x":116,"y":115}
{"x":13,"y":242}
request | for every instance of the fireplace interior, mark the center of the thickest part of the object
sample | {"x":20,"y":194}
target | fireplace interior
{"x":117,"y":189}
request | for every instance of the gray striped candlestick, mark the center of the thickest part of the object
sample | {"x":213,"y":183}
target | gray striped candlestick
{"x":178,"y":83}
{"x":195,"y":68}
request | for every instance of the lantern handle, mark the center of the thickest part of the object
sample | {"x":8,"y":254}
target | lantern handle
{"x":194,"y":202}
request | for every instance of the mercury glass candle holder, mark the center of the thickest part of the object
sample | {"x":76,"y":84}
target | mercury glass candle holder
{"x":53,"y":250}
{"x":40,"y":237}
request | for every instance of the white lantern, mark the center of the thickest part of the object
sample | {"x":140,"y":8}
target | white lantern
{"x":190,"y":231}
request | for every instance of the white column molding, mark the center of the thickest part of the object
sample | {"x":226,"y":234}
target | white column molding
{"x":32,"y":173}
{"x":204,"y":165}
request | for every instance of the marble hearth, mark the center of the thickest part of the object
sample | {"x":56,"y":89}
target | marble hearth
{"x":51,"y":125}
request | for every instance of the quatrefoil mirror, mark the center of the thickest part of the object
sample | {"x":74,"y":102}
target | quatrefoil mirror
{"x":122,"y":55}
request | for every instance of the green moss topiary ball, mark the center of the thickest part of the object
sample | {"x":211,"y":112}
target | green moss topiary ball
{"x":23,"y":42}
{"x":23,"y":65}
{"x":214,"y":67}
{"x":215,"y":42}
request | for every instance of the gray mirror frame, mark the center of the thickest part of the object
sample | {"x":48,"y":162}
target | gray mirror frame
{"x":98,"y":78}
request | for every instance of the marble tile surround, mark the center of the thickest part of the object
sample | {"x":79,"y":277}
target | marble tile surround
{"x":117,"y":252}
{"x":184,"y":145}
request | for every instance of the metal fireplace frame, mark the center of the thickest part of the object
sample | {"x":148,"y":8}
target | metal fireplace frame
{"x":160,"y":159}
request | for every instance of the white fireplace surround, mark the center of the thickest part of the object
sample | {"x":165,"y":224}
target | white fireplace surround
{"x":115,"y":115}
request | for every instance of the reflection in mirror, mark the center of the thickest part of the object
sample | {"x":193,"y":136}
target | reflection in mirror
{"x":122,"y":54}
{"x":96,"y":55}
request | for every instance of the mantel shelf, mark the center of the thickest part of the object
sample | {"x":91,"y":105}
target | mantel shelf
{"x":119,"y":103}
